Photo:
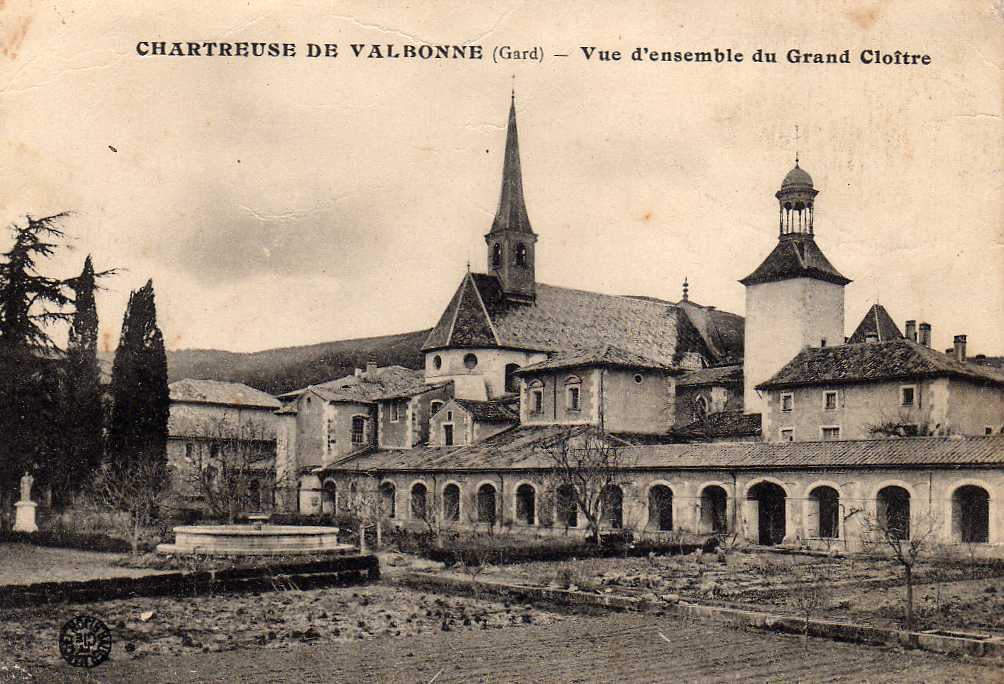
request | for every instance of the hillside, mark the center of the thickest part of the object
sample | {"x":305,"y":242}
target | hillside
{"x":280,"y":370}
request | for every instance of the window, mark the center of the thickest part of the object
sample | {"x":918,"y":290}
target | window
{"x":520,"y":254}
{"x":331,"y":431}
{"x":434,"y":407}
{"x":419,"y":501}
{"x":638,"y":378}
{"x":395,"y":411}
{"x":449,"y":415}
{"x":526,"y":505}
{"x":537,"y":398}
{"x":988,"y":430}
{"x":830,"y":434}
{"x":358,"y":430}
{"x":437,"y":361}
{"x":787,"y":402}
{"x":701,"y":407}
{"x":511,"y":379}
{"x":448,"y":435}
{"x":190,"y":450}
{"x":787,"y":434}
{"x":470,"y":361}
{"x":822,"y":342}
{"x":572,"y":385}
{"x":486,"y":504}
{"x":496,"y":255}
{"x":388,"y":499}
{"x":830,"y":400}
{"x":451,"y":503}
{"x":907,"y":395}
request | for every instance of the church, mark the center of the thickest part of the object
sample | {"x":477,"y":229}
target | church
{"x":774,"y":427}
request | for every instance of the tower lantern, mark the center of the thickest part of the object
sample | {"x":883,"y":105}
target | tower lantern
{"x":795,"y":203}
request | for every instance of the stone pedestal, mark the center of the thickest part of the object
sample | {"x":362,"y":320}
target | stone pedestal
{"x":25,"y":518}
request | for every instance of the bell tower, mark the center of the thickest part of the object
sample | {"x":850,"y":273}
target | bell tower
{"x":511,"y":241}
{"x":794,"y":299}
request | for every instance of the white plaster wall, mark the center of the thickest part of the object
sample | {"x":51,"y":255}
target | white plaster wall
{"x":487,"y":380}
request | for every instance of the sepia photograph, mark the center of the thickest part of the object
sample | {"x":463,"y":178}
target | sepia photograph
{"x":658,"y":341}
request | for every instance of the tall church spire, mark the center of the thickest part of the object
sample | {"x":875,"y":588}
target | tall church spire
{"x":511,"y":240}
{"x":511,"y":214}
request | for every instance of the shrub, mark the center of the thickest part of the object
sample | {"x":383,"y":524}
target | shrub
{"x":68,"y":540}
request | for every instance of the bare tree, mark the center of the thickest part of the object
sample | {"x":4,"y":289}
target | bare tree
{"x":364,"y":500}
{"x":587,"y":467}
{"x":230,"y":470}
{"x":810,"y":596}
{"x":907,"y":542}
{"x":902,"y":425}
{"x":137,"y":490}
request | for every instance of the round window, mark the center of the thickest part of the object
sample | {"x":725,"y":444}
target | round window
{"x":437,"y":361}
{"x":638,"y":378}
{"x":470,"y":361}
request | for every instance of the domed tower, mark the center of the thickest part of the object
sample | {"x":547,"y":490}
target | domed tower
{"x":511,"y":240}
{"x":795,"y":298}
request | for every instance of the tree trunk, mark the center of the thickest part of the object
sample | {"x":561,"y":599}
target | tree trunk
{"x":135,"y":535}
{"x":379,"y":534}
{"x":362,"y":535}
{"x":908,"y":569}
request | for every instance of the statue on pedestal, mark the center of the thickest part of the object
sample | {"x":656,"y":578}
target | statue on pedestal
{"x":24,"y":520}
{"x":26,"y":482}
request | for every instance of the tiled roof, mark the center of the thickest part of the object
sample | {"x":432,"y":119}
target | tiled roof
{"x":795,"y":256}
{"x":605,"y":356}
{"x":219,"y":392}
{"x":413,"y":390}
{"x":717,"y":375}
{"x":385,"y":382}
{"x":874,"y":362}
{"x":722,"y":424}
{"x":722,"y":331}
{"x":878,"y":322}
{"x":521,"y":448}
{"x":562,"y":319}
{"x":488,"y":411}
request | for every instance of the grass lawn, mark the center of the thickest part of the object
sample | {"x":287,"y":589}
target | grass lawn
{"x":27,"y":564}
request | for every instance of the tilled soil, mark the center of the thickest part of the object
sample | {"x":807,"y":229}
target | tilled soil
{"x":605,"y":648}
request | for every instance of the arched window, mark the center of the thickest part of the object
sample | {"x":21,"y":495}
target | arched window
{"x":893,"y":508}
{"x":526,"y":505}
{"x":613,"y":506}
{"x":520,"y":254}
{"x":496,"y":255}
{"x":358,"y":429}
{"x":388,"y":499}
{"x":700,"y":407}
{"x":573,"y":393}
{"x":511,"y":379}
{"x":418,"y":501}
{"x":770,"y":502}
{"x":451,"y":503}
{"x":660,"y":508}
{"x":824,"y":513}
{"x":329,"y":497}
{"x":971,"y":515}
{"x":434,"y":407}
{"x":714,"y":506}
{"x":567,"y":511}
{"x":486,"y":504}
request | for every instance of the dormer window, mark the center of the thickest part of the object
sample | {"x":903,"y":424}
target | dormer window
{"x":520,"y":254}
{"x":572,"y":393}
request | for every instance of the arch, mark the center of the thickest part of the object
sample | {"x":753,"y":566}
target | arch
{"x":714,"y":508}
{"x":521,"y":254}
{"x":329,"y":497}
{"x":435,"y":405}
{"x":496,"y":255}
{"x":769,"y":500}
{"x":970,"y":514}
{"x":388,"y":498}
{"x":660,"y":507}
{"x":613,"y":506}
{"x":565,"y":508}
{"x":511,"y":379}
{"x":701,"y":407}
{"x":526,"y":504}
{"x":487,"y":504}
{"x":892,"y":511}
{"x":822,"y":517}
{"x":451,"y":502}
{"x":419,"y":501}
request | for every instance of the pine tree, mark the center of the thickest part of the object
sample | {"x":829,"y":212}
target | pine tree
{"x":140,"y":402}
{"x":84,"y":412}
{"x":30,"y":397}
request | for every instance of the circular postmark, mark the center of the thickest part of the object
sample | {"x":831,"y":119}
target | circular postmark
{"x":85,"y":641}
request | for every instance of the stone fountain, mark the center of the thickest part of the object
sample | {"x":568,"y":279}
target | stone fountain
{"x":256,"y":539}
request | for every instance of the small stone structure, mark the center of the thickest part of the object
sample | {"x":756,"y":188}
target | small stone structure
{"x":26,"y":508}
{"x":253,"y":540}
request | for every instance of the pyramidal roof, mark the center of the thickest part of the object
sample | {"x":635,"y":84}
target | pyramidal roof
{"x":795,"y":256}
{"x":511,"y":215}
{"x":876,"y":322}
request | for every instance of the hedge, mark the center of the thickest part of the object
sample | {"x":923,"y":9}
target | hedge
{"x":511,"y":551}
{"x":68,"y":540}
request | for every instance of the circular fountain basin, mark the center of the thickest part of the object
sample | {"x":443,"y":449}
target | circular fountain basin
{"x":253,"y":540}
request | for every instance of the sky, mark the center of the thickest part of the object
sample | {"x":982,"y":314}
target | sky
{"x":279,"y":202}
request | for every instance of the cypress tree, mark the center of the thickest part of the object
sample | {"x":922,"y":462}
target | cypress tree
{"x":140,"y":402}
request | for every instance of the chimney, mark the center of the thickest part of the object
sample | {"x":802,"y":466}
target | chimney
{"x":960,"y":348}
{"x":871,"y":337}
{"x":911,"y":331}
{"x":925,"y":334}
{"x":371,"y":366}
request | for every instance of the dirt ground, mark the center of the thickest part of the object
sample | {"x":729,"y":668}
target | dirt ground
{"x":27,"y":564}
{"x":600,"y":648}
{"x":868,"y":591}
{"x":268,"y":620}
